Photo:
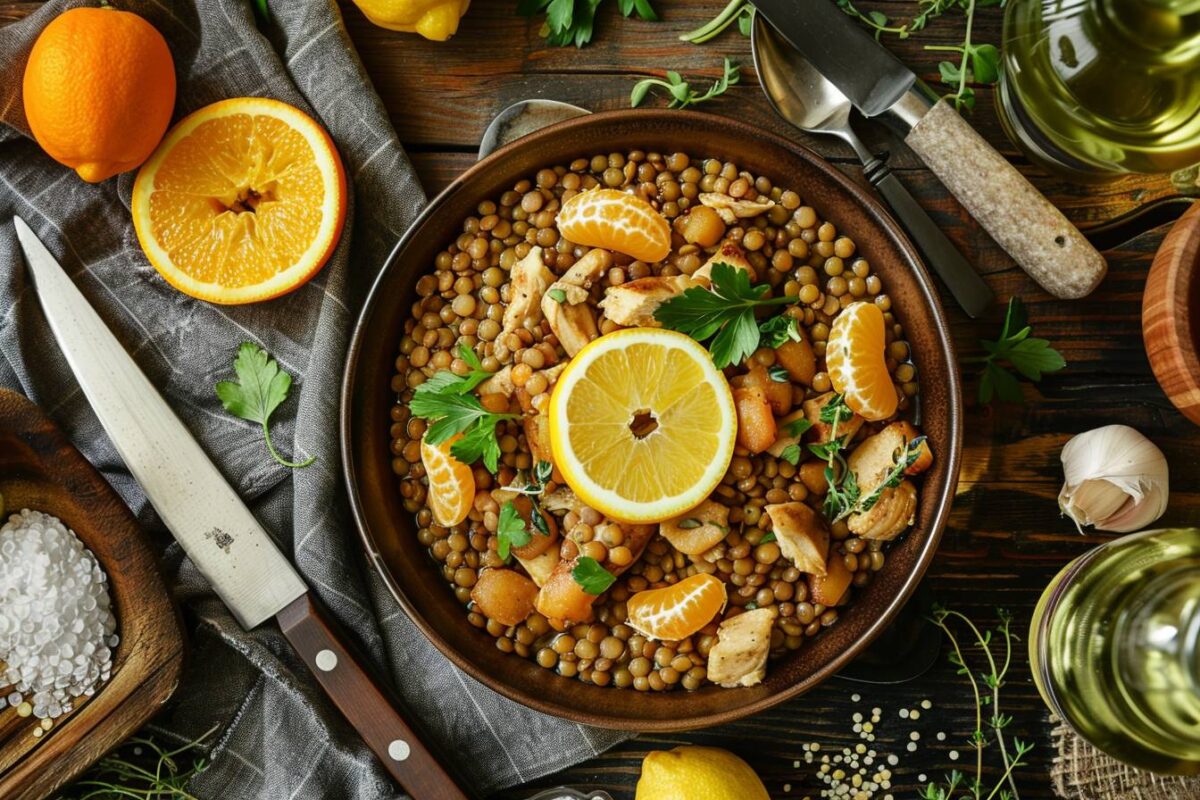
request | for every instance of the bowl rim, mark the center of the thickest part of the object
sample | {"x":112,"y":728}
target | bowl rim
{"x":951,"y":459}
{"x":1171,"y":341}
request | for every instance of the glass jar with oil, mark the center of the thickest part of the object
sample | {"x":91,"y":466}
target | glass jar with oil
{"x":1094,"y":88}
{"x":1115,"y":649}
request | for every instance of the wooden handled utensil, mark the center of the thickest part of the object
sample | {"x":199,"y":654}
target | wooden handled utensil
{"x":206,"y":516}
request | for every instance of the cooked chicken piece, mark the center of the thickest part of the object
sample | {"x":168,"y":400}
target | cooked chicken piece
{"x":697,"y":530}
{"x":821,"y":431}
{"x":563,"y":601}
{"x":802,"y":535}
{"x":728,"y":253}
{"x":537,"y":434}
{"x":877,"y":455}
{"x":529,"y":281}
{"x":541,"y":567}
{"x":565,"y":303}
{"x":890,"y":516}
{"x":562,"y":499}
{"x":739,"y":658}
{"x":500,"y":383}
{"x":830,"y":589}
{"x":732,"y":209}
{"x":784,"y":438}
{"x":633,"y":304}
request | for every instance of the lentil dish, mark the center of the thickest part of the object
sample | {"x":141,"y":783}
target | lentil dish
{"x":813,"y":492}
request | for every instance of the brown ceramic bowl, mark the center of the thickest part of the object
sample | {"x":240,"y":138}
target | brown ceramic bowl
{"x":1171,"y":314}
{"x":389,"y":533}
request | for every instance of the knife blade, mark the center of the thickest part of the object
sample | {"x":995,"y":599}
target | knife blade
{"x":215,"y":528}
{"x":1024,"y":223}
{"x":195,"y":502}
{"x":868,"y":74}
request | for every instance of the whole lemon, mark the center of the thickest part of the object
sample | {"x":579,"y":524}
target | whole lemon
{"x":433,"y":19}
{"x":698,"y":773}
{"x":99,"y":89}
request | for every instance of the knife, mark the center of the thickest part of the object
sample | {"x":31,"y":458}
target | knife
{"x":223,"y":539}
{"x":1023,"y":222}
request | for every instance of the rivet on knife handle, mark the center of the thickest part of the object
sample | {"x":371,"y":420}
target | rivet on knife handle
{"x":364,"y":704}
{"x":1023,"y":222}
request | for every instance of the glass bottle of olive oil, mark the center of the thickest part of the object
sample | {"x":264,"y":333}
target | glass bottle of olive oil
{"x":1115,"y":648}
{"x":1098,"y":87}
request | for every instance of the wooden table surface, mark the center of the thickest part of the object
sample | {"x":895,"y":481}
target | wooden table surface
{"x":1005,"y":539}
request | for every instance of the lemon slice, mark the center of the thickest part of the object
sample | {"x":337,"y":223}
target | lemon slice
{"x":642,"y":424}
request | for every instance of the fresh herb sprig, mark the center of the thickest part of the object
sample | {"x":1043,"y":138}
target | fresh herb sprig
{"x":682,"y":93}
{"x":591,"y":577}
{"x":778,"y":330}
{"x":572,"y":21}
{"x":842,"y":487}
{"x":977,"y":63}
{"x":985,"y":688}
{"x":261,"y":388}
{"x":797,"y":427}
{"x":738,"y":11}
{"x":511,"y":529}
{"x":905,"y":459}
{"x":724,"y":314}
{"x":1028,"y":355}
{"x":142,"y":768}
{"x":446,"y":400}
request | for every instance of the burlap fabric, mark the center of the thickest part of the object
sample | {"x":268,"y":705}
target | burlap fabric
{"x":1081,"y":772}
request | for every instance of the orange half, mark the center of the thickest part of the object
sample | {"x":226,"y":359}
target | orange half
{"x":242,"y":201}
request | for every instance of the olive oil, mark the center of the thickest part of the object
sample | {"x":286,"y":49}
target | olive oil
{"x":1115,"y":649}
{"x":1096,"y":87}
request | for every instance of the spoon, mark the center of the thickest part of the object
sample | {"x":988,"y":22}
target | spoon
{"x":805,"y":98}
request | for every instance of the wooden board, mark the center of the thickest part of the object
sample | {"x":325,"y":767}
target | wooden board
{"x":41,"y":470}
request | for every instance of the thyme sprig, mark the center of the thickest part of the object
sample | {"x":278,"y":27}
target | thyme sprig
{"x":682,"y":93}
{"x":142,"y":768}
{"x":977,"y":63}
{"x":985,"y":687}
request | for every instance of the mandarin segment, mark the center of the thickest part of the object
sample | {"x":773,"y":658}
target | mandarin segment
{"x":616,"y":220}
{"x":856,"y":360}
{"x":243,"y":201}
{"x":677,"y":611}
{"x":451,"y":483}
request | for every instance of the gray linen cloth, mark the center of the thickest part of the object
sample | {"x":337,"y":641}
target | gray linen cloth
{"x":279,"y":737}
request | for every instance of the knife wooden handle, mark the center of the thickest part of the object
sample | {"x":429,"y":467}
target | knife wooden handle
{"x":364,"y":704}
{"x":1023,"y":222}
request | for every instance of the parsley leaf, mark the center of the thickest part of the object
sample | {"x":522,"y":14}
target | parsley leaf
{"x":446,"y":401}
{"x":797,"y":427}
{"x":778,"y":330}
{"x":724,"y":314}
{"x":836,"y":410}
{"x":682,"y":94}
{"x":260,"y":389}
{"x":1030,"y":356}
{"x":572,"y":21}
{"x":510,"y":530}
{"x":792,"y":454}
{"x":767,"y":538}
{"x":591,"y":577}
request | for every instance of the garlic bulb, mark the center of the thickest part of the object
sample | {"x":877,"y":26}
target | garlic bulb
{"x":1116,"y":480}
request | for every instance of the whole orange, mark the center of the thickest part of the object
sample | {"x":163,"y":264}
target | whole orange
{"x":99,"y":90}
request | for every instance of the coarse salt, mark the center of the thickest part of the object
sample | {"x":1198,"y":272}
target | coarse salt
{"x":57,"y":629}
